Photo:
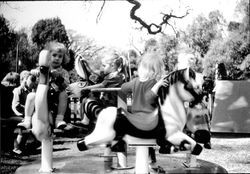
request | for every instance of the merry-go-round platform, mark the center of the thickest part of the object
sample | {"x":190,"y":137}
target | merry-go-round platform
{"x":92,"y":162}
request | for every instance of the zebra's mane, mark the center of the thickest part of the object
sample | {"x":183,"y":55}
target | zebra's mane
{"x":172,"y":78}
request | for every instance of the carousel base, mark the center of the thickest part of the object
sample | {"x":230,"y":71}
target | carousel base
{"x":93,"y":163}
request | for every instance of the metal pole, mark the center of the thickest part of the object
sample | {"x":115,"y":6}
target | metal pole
{"x":17,"y":61}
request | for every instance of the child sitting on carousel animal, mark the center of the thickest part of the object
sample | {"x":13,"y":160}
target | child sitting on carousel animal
{"x":59,"y":80}
{"x":28,"y":84}
{"x":94,"y":102}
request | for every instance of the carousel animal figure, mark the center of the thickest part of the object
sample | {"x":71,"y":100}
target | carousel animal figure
{"x":42,"y":118}
{"x":112,"y":125}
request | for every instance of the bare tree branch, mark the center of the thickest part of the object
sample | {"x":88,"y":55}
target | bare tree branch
{"x":100,"y":12}
{"x":152,"y":28}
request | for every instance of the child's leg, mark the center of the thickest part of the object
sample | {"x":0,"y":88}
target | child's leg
{"x":29,"y":110}
{"x":17,"y":143}
{"x":62,"y":106}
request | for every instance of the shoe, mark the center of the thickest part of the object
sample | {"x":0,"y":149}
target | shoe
{"x":120,"y":146}
{"x":61,"y":125}
{"x":25,"y":124}
{"x":17,"y":151}
{"x":166,"y":148}
{"x":68,"y":127}
{"x":81,"y":145}
{"x":197,"y":150}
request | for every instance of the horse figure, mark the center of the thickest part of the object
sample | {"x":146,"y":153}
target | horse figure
{"x":112,"y":125}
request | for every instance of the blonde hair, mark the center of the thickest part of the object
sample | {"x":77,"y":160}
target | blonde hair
{"x":113,"y":58}
{"x":24,"y":76}
{"x":58,"y":47}
{"x":151,"y":66}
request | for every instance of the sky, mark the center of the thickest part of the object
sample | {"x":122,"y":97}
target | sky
{"x":115,"y":28}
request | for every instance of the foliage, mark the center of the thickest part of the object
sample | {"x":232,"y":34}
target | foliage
{"x":7,"y":40}
{"x":233,"y":51}
{"x":203,"y":30}
{"x":168,"y":46}
{"x":24,"y":51}
{"x":46,"y":30}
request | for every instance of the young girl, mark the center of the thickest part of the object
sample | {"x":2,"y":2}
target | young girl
{"x":59,"y":80}
{"x":112,"y":77}
{"x":143,"y":113}
{"x":28,"y":85}
{"x":144,"y":90}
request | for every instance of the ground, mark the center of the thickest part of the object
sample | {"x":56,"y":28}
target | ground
{"x":232,"y":153}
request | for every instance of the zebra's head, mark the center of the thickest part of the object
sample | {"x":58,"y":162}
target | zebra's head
{"x":187,"y":84}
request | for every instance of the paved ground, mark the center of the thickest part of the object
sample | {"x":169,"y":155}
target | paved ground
{"x":233,"y":154}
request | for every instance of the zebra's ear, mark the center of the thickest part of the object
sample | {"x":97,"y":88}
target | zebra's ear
{"x":78,"y":67}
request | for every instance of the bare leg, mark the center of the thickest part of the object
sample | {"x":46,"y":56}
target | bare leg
{"x":62,"y":106}
{"x":29,"y":110}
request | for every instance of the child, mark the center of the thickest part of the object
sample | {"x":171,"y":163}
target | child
{"x":59,"y":80}
{"x":144,"y":90}
{"x":8,"y":84}
{"x":111,"y":67}
{"x":144,"y":112}
{"x":27,"y":85}
{"x":29,"y":104}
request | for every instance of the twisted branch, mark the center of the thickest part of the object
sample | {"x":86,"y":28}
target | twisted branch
{"x":152,"y":28}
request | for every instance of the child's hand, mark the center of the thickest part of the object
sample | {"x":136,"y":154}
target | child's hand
{"x":163,"y":81}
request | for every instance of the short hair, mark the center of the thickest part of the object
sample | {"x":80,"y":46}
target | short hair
{"x":59,"y":47}
{"x":113,"y":58}
{"x":24,"y":75}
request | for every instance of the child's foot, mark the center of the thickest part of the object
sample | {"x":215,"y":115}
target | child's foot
{"x":44,"y":63}
{"x":26,"y":124}
{"x":61,"y":125}
{"x":17,"y":151}
{"x":197,"y":150}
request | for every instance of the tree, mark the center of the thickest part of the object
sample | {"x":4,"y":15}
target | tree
{"x":169,"y":48}
{"x":7,"y":38}
{"x":233,"y":51}
{"x":203,"y":31}
{"x":46,"y":30}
